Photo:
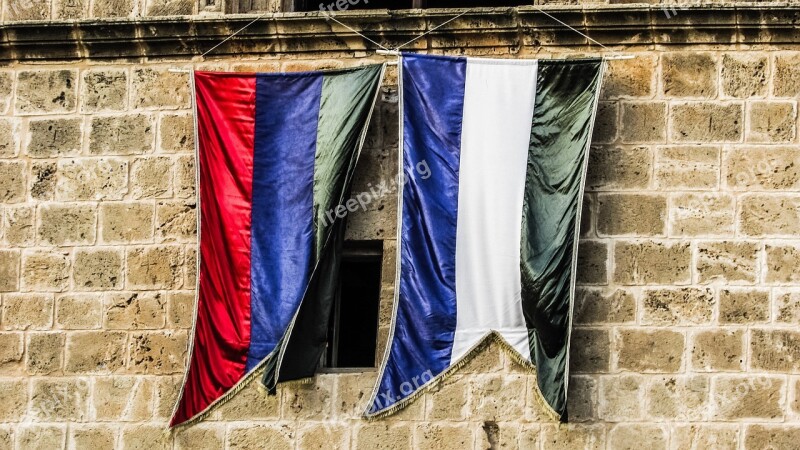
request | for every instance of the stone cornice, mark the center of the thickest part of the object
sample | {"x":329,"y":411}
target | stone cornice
{"x":617,"y":26}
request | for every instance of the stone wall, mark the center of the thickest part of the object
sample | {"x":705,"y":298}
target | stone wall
{"x":686,"y":324}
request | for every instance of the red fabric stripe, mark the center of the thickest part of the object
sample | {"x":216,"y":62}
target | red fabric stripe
{"x":226,"y":127}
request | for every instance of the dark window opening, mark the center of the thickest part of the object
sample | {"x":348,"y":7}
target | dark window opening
{"x":353,"y":325}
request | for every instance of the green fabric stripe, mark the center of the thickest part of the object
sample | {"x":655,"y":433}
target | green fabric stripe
{"x":345,"y":107}
{"x":346,"y":103}
{"x":566,"y":100}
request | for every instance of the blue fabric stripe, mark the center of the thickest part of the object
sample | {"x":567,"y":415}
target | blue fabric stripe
{"x":433,"y":104}
{"x":287,"y":112}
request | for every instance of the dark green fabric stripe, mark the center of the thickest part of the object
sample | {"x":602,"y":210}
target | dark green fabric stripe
{"x":346,"y":102}
{"x":566,"y":97}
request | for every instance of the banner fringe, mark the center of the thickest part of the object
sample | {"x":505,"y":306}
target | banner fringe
{"x":492,"y":337}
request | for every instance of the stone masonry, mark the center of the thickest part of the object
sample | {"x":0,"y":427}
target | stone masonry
{"x":686,"y":319}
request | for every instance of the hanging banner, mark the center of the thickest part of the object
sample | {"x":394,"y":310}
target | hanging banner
{"x":275,"y":153}
{"x":488,"y":241}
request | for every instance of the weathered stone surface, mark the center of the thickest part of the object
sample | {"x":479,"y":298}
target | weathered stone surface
{"x":323,"y":436}
{"x":176,"y":221}
{"x":740,"y":397}
{"x":167,"y":389}
{"x":744,"y":75}
{"x":130,"y":134}
{"x":19,"y":226}
{"x":727,"y":261}
{"x":786,"y":82}
{"x":44,"y":353}
{"x":27,"y":311}
{"x":9,"y":138}
{"x":718,"y":350}
{"x":636,"y":437}
{"x":113,"y":8}
{"x":126,"y":222}
{"x":743,"y":306}
{"x":684,"y":306}
{"x":45,"y":272}
{"x":619,"y":168}
{"x":12,"y":181}
{"x":706,"y":122}
{"x":775,"y":350}
{"x":687,"y":167}
{"x":145,"y":437}
{"x":631,"y":214}
{"x":180,"y":309}
{"x":59,"y":399}
{"x":589,"y":351}
{"x":772,"y":121}
{"x":689,"y":75}
{"x":448,"y":400}
{"x":443,"y":436}
{"x":783,"y":263}
{"x":78,"y":311}
{"x":273,"y":436}
{"x":41,"y":436}
{"x":190,"y":267}
{"x":15,"y":400}
{"x":92,"y":179}
{"x":787,"y":307}
{"x":9,"y":270}
{"x":643,"y":122}
{"x":497,"y":397}
{"x":310,"y":400}
{"x":157,"y":352}
{"x":97,"y":270}
{"x":46,"y":91}
{"x":100,"y":352}
{"x":151,"y":177}
{"x":49,"y":138}
{"x":202,"y":437}
{"x":251,"y":403}
{"x":67,"y":224}
{"x":604,"y":306}
{"x":159,"y":88}
{"x":762,"y":168}
{"x":6,"y":91}
{"x":605,"y":126}
{"x":154,"y":267}
{"x":27,"y":10}
{"x":176,"y":133}
{"x":769,"y":215}
{"x":582,"y":399}
{"x":649,"y":351}
{"x":763,"y":437}
{"x":630,"y":78}
{"x":11,"y":350}
{"x":43,"y":180}
{"x":70,"y":9}
{"x":573,"y":436}
{"x":706,"y":214}
{"x":678,"y":398}
{"x":185,"y":176}
{"x":621,"y":398}
{"x":718,"y":437}
{"x":652,"y":262}
{"x":122,"y":398}
{"x":382,"y":436}
{"x":104,"y":90}
{"x":592,"y":262}
{"x":92,"y":436}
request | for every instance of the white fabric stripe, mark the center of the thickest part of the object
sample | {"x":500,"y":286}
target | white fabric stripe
{"x":498,"y":110}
